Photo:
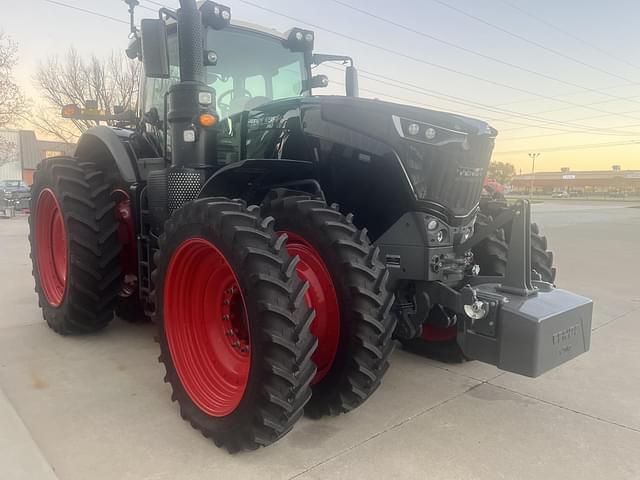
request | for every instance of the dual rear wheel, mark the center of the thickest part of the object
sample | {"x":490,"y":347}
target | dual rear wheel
{"x":261,"y":320}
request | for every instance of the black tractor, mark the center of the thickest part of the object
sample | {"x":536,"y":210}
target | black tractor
{"x":284,"y":241}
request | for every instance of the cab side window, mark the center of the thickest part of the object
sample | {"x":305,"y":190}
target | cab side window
{"x":156,"y":88}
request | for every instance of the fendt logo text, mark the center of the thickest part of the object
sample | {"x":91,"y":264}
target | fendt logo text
{"x":566,"y":334}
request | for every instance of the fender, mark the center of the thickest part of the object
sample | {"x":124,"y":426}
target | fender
{"x":252,"y":179}
{"x":106,"y":146}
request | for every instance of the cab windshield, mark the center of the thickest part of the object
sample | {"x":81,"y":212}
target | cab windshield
{"x":252,"y":69}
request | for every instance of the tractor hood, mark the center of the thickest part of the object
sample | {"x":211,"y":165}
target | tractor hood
{"x":444,"y":156}
{"x":373,"y":117}
{"x":422,"y":159}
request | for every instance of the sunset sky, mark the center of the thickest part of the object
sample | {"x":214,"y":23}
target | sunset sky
{"x":555,"y":77}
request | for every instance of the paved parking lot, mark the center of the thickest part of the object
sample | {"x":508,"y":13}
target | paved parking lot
{"x":96,"y":408}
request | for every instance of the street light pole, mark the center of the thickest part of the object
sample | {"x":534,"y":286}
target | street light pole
{"x":533,"y":157}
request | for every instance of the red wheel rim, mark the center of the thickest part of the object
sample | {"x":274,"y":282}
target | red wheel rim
{"x":51,"y":247}
{"x":205,"y":323}
{"x":322,"y":297}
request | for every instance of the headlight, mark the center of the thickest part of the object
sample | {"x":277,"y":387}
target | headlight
{"x":430,"y":133}
{"x":205,"y":98}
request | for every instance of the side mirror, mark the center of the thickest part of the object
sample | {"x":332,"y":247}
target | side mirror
{"x":351,"y":81}
{"x":155,"y":53}
{"x":319,"y":81}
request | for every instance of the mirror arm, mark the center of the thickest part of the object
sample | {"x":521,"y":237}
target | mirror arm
{"x":165,"y":13}
{"x":132,"y":6}
{"x":319,"y":58}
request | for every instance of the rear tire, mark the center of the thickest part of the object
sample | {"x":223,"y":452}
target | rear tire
{"x":233,"y":324}
{"x":74,"y":245}
{"x":354,"y":333}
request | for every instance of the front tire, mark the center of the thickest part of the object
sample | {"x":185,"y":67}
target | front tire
{"x":349,"y":293}
{"x":491,"y":254}
{"x":233,"y":325}
{"x":74,"y":245}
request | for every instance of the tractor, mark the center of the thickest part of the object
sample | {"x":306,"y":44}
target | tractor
{"x":283,"y":241}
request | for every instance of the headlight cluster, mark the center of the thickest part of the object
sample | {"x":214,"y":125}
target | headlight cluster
{"x":427,"y":133}
{"x":299,"y":40}
{"x":215,"y":15}
{"x":439,"y":233}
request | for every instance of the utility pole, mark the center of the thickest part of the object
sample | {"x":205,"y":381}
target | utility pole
{"x":533,"y":157}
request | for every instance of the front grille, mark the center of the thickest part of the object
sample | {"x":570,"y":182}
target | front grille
{"x":447,"y":175}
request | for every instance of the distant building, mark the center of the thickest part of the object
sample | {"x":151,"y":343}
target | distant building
{"x":584,"y":182}
{"x":21,"y":151}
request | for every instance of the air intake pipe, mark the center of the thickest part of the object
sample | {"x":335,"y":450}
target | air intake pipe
{"x":187,"y":100}
{"x":190,"y":41}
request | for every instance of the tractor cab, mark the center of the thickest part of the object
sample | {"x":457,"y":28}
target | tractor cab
{"x":245,"y":67}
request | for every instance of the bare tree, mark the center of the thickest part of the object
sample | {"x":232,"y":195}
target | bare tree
{"x":112,"y":81}
{"x":12,"y":100}
{"x":47,"y":120}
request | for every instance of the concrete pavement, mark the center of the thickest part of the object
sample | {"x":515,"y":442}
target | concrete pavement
{"x":96,"y":406}
{"x":20,"y":457}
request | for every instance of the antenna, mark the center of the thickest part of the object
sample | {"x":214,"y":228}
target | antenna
{"x":132,"y":6}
